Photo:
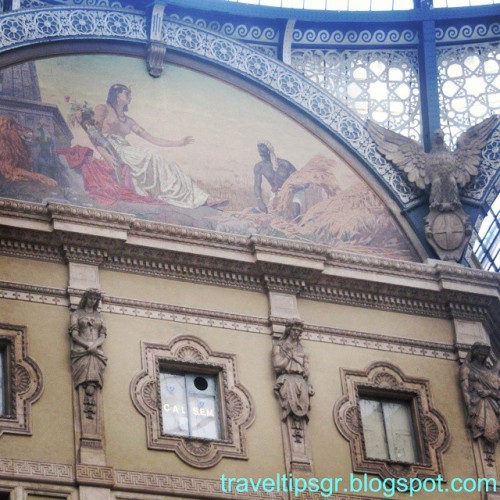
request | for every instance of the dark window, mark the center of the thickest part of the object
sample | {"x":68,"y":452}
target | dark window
{"x":3,"y":384}
{"x":388,"y":429}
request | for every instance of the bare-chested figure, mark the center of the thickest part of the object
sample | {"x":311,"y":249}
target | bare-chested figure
{"x":276,"y":171}
{"x":152,"y":174}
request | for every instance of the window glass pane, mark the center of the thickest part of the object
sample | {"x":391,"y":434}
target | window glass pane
{"x":173,"y":404}
{"x":373,"y":428}
{"x":202,"y":403}
{"x":399,"y":429}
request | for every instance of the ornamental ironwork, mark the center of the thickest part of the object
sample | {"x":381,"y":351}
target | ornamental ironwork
{"x":381,"y":85}
{"x":469,"y":82}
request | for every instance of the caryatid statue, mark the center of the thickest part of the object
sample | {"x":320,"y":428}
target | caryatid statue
{"x":481,"y":389}
{"x":291,"y":364}
{"x":442,"y":171}
{"x":88,"y":361}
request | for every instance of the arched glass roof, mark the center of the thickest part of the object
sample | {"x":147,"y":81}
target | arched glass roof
{"x":362,"y":5}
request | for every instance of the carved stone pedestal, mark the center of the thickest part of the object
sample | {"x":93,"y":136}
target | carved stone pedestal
{"x":293,"y":390}
{"x":297,"y":450}
{"x":89,"y":428}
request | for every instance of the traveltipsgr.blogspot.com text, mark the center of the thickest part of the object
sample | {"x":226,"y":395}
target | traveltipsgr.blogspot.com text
{"x":328,"y":486}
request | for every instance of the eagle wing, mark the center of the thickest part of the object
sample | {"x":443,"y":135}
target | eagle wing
{"x":407,"y":154}
{"x":468,"y":152}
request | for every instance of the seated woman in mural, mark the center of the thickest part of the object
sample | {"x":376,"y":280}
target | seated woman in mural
{"x":152,"y":175}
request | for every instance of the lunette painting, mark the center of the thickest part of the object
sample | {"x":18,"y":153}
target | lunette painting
{"x":184,"y":149}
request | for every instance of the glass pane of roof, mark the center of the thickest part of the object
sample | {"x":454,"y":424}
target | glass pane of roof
{"x":487,"y":245}
{"x":353,"y":5}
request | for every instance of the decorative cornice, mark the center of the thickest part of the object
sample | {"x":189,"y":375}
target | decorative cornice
{"x":150,"y":266}
{"x":379,"y":342}
{"x":191,"y":487}
{"x":235,"y":322}
{"x":189,"y":315}
{"x":33,"y":293}
{"x":121,"y":242}
{"x":92,"y":256}
{"x":30,"y":249}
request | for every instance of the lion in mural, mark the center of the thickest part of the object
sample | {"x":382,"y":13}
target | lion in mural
{"x":15,"y":158}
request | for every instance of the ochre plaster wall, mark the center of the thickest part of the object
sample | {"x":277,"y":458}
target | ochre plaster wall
{"x":366,"y":320}
{"x":33,"y":272}
{"x":126,"y":428}
{"x":331,"y":451}
{"x":185,"y":294}
{"x":52,"y":414}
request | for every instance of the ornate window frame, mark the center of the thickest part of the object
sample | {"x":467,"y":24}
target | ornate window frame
{"x":24,"y":382}
{"x":387,"y":381}
{"x":192,"y":355}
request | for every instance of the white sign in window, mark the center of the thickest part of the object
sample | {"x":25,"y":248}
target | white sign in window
{"x":189,"y":405}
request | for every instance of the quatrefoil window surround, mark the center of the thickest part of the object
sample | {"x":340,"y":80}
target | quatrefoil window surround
{"x":184,"y":360}
{"x":21,"y":381}
{"x":387,"y":383}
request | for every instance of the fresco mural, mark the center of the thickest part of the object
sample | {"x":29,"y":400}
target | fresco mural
{"x":183,"y":149}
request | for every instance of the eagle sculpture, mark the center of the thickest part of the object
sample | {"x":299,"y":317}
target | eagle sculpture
{"x":443,"y":170}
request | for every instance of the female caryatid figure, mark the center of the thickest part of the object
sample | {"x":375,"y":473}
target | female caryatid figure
{"x":291,"y":364}
{"x":151,"y":173}
{"x":481,"y":389}
{"x":88,"y":333}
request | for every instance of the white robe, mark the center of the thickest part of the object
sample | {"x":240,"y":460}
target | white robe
{"x":152,"y":175}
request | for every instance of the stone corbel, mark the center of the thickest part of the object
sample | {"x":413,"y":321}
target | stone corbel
{"x":157,"y":48}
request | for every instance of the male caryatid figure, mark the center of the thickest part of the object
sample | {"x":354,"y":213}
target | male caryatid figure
{"x":481,"y":389}
{"x":291,"y":364}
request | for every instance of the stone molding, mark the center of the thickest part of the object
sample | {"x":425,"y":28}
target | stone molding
{"x":215,"y":319}
{"x":379,"y":342}
{"x":188,"y":315}
{"x":95,"y":475}
{"x":237,"y":410}
{"x":33,"y":293}
{"x":383,"y":380}
{"x":24,"y":381}
{"x":437,"y":290}
{"x":134,"y":481}
{"x":28,"y":470}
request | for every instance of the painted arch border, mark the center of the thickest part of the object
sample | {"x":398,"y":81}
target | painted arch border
{"x":34,"y":26}
{"x":228,"y":60}
{"x":40,"y":25}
